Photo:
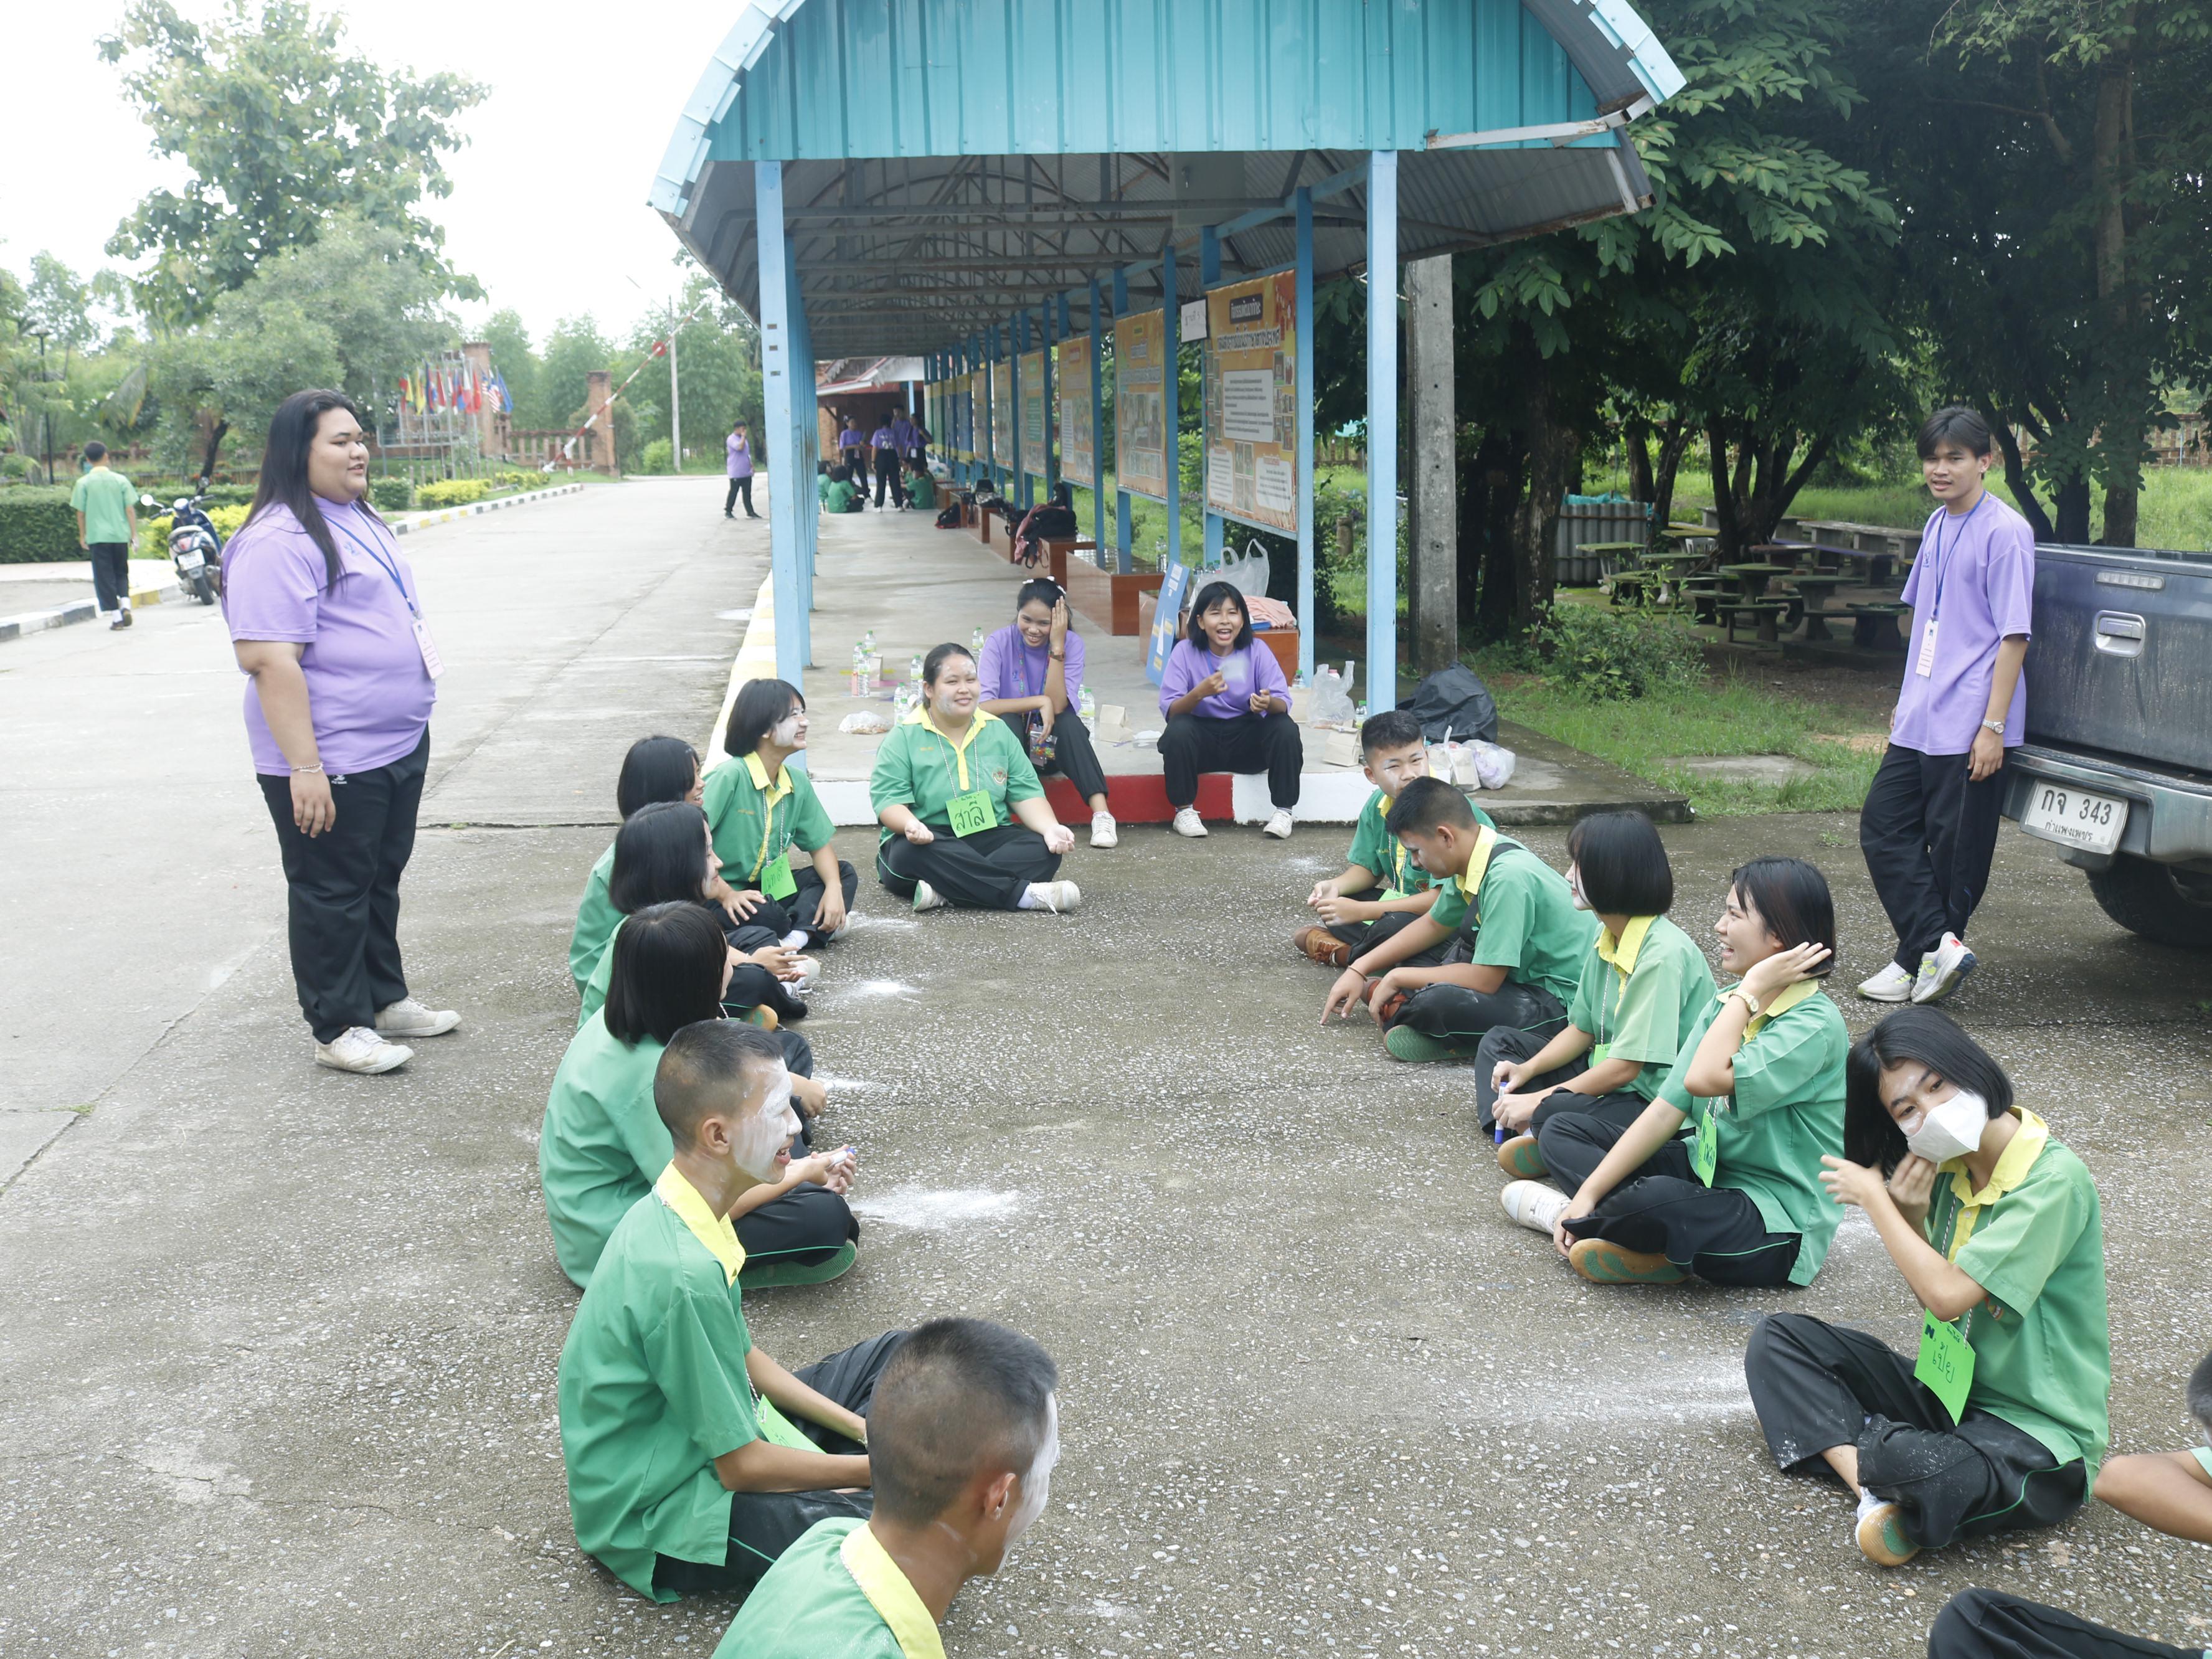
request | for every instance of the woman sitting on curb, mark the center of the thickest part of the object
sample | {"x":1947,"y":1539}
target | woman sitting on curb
{"x":759,"y":808}
{"x":1228,"y":709}
{"x":1032,"y":675}
{"x":654,"y":769}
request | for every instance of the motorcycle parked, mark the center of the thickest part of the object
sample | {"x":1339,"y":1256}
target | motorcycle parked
{"x":195,"y":549}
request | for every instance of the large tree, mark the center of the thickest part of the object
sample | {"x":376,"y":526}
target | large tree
{"x":280,"y":128}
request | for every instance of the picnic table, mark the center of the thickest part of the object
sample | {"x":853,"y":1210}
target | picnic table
{"x":1873,"y":627}
{"x":1753,"y":578}
{"x":1817,"y":587}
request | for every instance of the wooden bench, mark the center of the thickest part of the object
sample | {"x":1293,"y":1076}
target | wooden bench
{"x":1766,"y":614}
{"x":1630,"y":586}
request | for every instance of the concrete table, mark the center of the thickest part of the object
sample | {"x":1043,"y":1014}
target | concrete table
{"x":1817,"y":587}
{"x":1753,"y":578}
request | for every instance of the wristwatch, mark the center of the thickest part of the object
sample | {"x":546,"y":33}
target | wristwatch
{"x":1750,"y":1002}
{"x":1996,"y":727}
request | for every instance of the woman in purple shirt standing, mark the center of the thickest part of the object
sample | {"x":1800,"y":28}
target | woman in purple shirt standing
{"x":1032,"y":675}
{"x":739,"y":444}
{"x":1228,"y":708}
{"x":326,"y":621}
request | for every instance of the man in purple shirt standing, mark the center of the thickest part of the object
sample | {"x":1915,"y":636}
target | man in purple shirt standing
{"x":1930,"y":825}
{"x":740,"y":447}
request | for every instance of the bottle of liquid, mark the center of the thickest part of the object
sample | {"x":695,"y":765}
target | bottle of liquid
{"x":913,"y":668}
{"x":1087,"y":706}
{"x":976,"y":643}
{"x":868,"y":643}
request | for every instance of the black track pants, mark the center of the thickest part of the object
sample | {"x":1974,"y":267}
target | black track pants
{"x":1979,"y":1624}
{"x":986,"y":872}
{"x":1195,"y":743}
{"x":1928,"y":836}
{"x":1462,"y":1017}
{"x":1073,"y":758}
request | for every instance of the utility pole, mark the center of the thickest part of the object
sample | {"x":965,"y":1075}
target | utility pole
{"x":675,"y":412}
{"x":46,"y":410}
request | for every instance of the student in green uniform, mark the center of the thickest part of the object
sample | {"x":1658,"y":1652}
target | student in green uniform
{"x":962,"y":1435}
{"x":1381,"y":889}
{"x":921,"y":487}
{"x":693,"y":1459}
{"x":2001,"y":1421}
{"x":107,"y":506}
{"x":1740,"y":1202}
{"x":756,"y":823}
{"x":665,"y":853}
{"x":2170,"y":1491}
{"x":950,"y":781}
{"x":1520,"y":954}
{"x":1642,"y":986}
{"x":842,"y":496}
{"x":654,"y":769}
{"x":602,"y":1143}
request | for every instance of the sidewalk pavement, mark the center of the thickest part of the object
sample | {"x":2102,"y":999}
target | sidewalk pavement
{"x":36,"y":596}
{"x":917,"y":586}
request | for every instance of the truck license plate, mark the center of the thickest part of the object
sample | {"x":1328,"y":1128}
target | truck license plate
{"x":2074,"y":817}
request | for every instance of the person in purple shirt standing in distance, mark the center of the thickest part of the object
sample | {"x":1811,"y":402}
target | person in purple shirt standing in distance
{"x":326,"y":620}
{"x":1228,"y":708}
{"x":1032,"y":676}
{"x":1930,"y":825}
{"x":740,"y":447}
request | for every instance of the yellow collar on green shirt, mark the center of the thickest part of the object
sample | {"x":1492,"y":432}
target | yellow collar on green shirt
{"x":1478,"y":863}
{"x":2013,"y":1165}
{"x":1621,"y":953}
{"x":774,"y":792}
{"x":1783,"y":1000}
{"x":712,"y":1230}
{"x":891,"y":1594}
{"x":976,"y":724}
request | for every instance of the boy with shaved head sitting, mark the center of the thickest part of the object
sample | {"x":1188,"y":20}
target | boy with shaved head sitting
{"x":964,"y":1432}
{"x":693,"y":1459}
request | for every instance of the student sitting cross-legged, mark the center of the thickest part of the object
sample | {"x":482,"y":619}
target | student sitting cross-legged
{"x":1642,"y":987}
{"x":949,"y":782}
{"x":1521,"y":941}
{"x":1381,"y":888}
{"x":2170,"y":1491}
{"x":760,"y":809}
{"x":963,"y":1434}
{"x":664,"y":854}
{"x":2001,"y":1421}
{"x":602,"y":1142}
{"x":1228,"y":709}
{"x":654,"y":769}
{"x":693,"y":1459}
{"x":1759,"y":1078}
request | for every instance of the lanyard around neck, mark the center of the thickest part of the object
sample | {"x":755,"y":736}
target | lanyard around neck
{"x":1943,"y":560}
{"x":383,"y":563}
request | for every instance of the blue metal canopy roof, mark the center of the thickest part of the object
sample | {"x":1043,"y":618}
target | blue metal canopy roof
{"x":949,"y":162}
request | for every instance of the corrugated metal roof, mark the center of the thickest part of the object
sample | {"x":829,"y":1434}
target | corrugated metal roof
{"x":948,"y":163}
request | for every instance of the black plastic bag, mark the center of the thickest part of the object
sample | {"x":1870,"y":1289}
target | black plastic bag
{"x":1452,"y":703}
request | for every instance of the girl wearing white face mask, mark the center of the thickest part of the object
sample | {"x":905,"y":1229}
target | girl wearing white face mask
{"x":2000,"y":1420}
{"x":770,"y":831}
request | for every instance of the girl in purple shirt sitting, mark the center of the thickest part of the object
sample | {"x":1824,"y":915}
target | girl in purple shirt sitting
{"x":1032,"y":674}
{"x":1228,"y":709}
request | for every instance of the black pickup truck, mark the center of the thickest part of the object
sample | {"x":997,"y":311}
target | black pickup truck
{"x":2116,"y":770}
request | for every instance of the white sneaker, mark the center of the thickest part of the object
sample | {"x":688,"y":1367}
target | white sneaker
{"x":409,"y":1018}
{"x":358,"y":1048}
{"x":1102,"y":830}
{"x":1536,"y":1204}
{"x":1279,"y":825}
{"x":926,"y":897}
{"x":1940,"y":973}
{"x":1058,"y":896}
{"x":810,"y":976}
{"x":1892,"y":984}
{"x":1187,"y":822}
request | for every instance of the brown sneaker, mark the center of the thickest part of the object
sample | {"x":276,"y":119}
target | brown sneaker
{"x":1518,"y":1156}
{"x":1603,"y":1262}
{"x":1320,"y":945}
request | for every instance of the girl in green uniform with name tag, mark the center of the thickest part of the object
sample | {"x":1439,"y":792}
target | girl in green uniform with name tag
{"x":950,"y":781}
{"x":760,"y":809}
{"x":2000,"y":1421}
{"x":1760,"y":1081}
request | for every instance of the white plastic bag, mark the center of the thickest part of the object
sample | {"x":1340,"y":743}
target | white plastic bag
{"x":864,"y":720}
{"x":1331,"y":703}
{"x":1493,"y":765}
{"x":1249,"y":574}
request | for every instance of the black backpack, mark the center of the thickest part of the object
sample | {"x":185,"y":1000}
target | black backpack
{"x":950,"y":518}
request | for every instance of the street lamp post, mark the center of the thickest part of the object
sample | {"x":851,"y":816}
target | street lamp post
{"x":45,"y":407}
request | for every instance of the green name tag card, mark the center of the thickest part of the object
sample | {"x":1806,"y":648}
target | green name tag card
{"x":1706,"y":1150}
{"x":1390,"y":894}
{"x":776,"y":879}
{"x":1945,"y":1364}
{"x":1598,"y":1053}
{"x":972,"y":813}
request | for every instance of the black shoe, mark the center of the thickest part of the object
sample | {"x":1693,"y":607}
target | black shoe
{"x":123,"y":620}
{"x":729,"y":515}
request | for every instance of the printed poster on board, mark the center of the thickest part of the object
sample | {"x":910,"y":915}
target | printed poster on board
{"x":1167,"y":620}
{"x":1140,"y":416}
{"x":979,"y":438}
{"x":1078,"y":455}
{"x":1036,"y":429}
{"x":1252,"y":403}
{"x":1002,"y":414}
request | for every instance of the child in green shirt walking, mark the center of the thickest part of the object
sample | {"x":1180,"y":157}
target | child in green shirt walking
{"x":106,"y":528}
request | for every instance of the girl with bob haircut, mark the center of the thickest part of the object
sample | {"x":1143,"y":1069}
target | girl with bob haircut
{"x":1031,"y":672}
{"x":1228,"y":709}
{"x":603,"y":1144}
{"x":1642,"y":987}
{"x":761,"y":809}
{"x":665,"y":854}
{"x":1759,"y":1080}
{"x":657,"y":769}
{"x":949,"y":782}
{"x":1996,"y":1227}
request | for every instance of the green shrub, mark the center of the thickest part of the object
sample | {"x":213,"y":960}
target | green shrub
{"x":1609,"y":655}
{"x":154,"y":532}
{"x":450,"y":492}
{"x":390,"y":494}
{"x":37,"y":524}
{"x":656,"y":458}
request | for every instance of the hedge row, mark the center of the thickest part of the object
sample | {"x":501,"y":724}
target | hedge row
{"x":37,"y":525}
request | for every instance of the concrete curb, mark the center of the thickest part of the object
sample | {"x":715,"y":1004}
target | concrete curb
{"x":423,"y":520}
{"x":79,"y":610}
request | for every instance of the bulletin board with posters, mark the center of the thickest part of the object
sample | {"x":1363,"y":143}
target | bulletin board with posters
{"x":1079,"y":449}
{"x":1140,"y":410}
{"x":1002,"y":414}
{"x":1252,"y":403}
{"x":1036,"y":425}
{"x":978,"y":437}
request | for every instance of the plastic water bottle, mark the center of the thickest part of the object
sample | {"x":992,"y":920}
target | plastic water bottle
{"x":868,"y":643}
{"x":976,"y":643}
{"x":1298,"y":681}
{"x":1359,"y":713}
{"x":1087,"y":706}
{"x":913,"y":668}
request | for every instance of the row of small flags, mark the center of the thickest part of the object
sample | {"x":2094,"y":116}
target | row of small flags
{"x":462,"y":390}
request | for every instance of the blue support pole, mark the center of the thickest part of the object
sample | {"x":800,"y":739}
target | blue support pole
{"x":1124,"y":532}
{"x":1382,"y":430}
{"x":785,"y":449}
{"x":1021,"y":473}
{"x":1209,"y":274}
{"x":1171,"y":400}
{"x":990,"y":447}
{"x":1305,"y":437}
{"x":1055,"y":331}
{"x":1097,"y":438}
{"x":806,"y":407}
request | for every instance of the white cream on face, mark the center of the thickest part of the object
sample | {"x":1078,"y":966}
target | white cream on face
{"x":1036,"y":1484}
{"x":790,"y":731}
{"x":766,"y":1131}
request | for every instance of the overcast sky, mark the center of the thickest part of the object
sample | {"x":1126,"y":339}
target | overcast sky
{"x":547,"y":209}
